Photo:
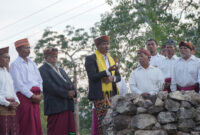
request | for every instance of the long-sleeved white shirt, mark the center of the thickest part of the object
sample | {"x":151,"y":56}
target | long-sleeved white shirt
{"x":148,"y":80}
{"x":25,"y":76}
{"x":167,"y":65}
{"x":156,"y":60}
{"x":123,"y":89}
{"x":185,"y":72}
{"x":6,"y":88}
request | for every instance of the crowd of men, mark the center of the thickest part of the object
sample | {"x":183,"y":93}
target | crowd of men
{"x":23,"y":85}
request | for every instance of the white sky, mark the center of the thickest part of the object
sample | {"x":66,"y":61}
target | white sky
{"x":77,"y":13}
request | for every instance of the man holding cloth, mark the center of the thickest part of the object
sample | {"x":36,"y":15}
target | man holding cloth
{"x":8,"y":98}
{"x":28,"y":86}
{"x":186,"y":71}
{"x":103,"y":75}
{"x":58,"y":96}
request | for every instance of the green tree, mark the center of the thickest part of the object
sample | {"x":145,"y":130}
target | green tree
{"x":132,"y":22}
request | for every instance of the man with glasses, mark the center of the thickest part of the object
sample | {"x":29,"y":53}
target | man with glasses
{"x":59,"y":92}
{"x":8,"y":98}
{"x":28,"y":86}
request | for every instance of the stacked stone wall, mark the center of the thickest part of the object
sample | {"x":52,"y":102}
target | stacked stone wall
{"x":176,"y":113}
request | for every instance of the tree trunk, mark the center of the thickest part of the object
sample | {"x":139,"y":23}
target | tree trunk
{"x":77,"y":121}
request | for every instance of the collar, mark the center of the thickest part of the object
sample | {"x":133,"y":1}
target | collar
{"x":192,"y":57}
{"x":173,"y":57}
{"x":141,"y":67}
{"x":2,"y":68}
{"x":52,"y":65}
{"x":20,"y":59}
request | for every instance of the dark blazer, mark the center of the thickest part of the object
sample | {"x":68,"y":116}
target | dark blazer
{"x":94,"y":77}
{"x":55,"y":90}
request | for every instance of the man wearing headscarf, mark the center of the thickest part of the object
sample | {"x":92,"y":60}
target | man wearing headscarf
{"x":186,"y":71}
{"x":103,"y":75}
{"x":58,"y":92}
{"x":146,"y":79}
{"x":8,"y":98}
{"x":28,"y":86}
{"x":168,"y":63}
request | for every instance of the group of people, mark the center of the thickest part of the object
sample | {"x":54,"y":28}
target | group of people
{"x":154,"y":73}
{"x":22,"y":87}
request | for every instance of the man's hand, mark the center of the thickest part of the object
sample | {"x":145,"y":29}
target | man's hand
{"x":36,"y":98}
{"x":112,"y":68}
{"x":106,"y":80}
{"x":71,"y":94}
{"x":13,"y":105}
{"x":111,"y":78}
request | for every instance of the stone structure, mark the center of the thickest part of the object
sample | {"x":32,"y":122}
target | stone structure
{"x":176,"y":113}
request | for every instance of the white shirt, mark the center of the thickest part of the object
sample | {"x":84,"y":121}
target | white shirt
{"x":146,"y":80}
{"x":167,"y":66}
{"x":156,"y":60}
{"x":185,"y":72}
{"x":6,"y":88}
{"x":123,"y":89}
{"x":25,"y":76}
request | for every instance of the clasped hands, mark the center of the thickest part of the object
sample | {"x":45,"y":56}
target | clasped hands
{"x":13,"y":105}
{"x":36,"y":98}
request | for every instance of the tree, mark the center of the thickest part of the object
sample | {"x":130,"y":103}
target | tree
{"x":132,"y":22}
{"x":72,"y":45}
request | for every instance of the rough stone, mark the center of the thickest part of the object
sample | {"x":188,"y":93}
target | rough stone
{"x":139,"y":101}
{"x":121,"y":122}
{"x":162,"y":95}
{"x":186,"y":125}
{"x":108,"y":118}
{"x":155,"y":109}
{"x":172,"y":105}
{"x":182,"y":133}
{"x":147,"y":103}
{"x":131,"y":96}
{"x":116,"y":100}
{"x":159,"y":102}
{"x":170,"y":128}
{"x":185,"y":113}
{"x":195,"y":133}
{"x":126,"y":108}
{"x":143,"y":121}
{"x":166,"y":117}
{"x":157,"y":126}
{"x":126,"y":132}
{"x":177,"y":95}
{"x":186,"y":104}
{"x":141,"y":110}
{"x":150,"y":132}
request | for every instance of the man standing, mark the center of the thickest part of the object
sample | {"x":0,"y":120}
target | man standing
{"x":146,"y":79}
{"x":102,"y":75}
{"x":156,"y":58}
{"x":164,"y":50}
{"x":28,"y":86}
{"x":186,"y":70}
{"x":58,"y":93}
{"x":168,"y":63}
{"x":8,"y":98}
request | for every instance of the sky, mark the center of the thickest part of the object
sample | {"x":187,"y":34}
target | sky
{"x":28,"y":18}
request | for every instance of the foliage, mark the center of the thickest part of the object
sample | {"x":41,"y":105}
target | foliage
{"x":132,"y":22}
